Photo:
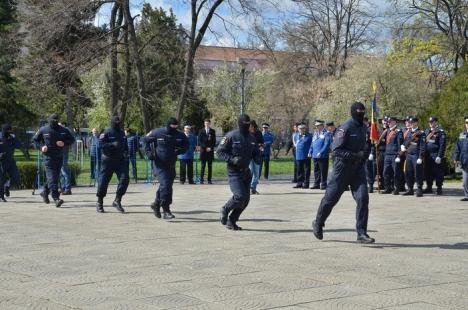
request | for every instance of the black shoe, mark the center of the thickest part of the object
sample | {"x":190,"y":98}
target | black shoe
{"x":58,"y":202}
{"x":116,"y":204}
{"x":99,"y":207}
{"x":387,"y":191}
{"x":318,"y":230}
{"x":45,"y":197}
{"x":439,"y":191}
{"x":167,"y":215}
{"x":156,"y":209}
{"x":3,"y":199}
{"x":395,"y":192}
{"x":254,"y":192}
{"x":315,"y":187}
{"x":191,"y":182}
{"x":408,"y":193}
{"x":323,"y":188}
{"x":7,"y":191}
{"x":427,"y":191}
{"x":67,"y":192}
{"x":182,"y":182}
{"x":370,"y":189}
{"x":298,"y":186}
{"x":464,"y":199}
{"x":232,"y":226}
{"x":419,"y":192}
{"x":223,"y":216}
{"x":209,"y":182}
{"x":364,"y":238}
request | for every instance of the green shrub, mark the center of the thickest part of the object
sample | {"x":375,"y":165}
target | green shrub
{"x":28,"y":174}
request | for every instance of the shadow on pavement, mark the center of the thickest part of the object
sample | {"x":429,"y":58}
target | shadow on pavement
{"x":305,"y":192}
{"x":379,"y":245}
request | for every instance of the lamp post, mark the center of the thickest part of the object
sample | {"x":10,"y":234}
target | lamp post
{"x":242,"y":63}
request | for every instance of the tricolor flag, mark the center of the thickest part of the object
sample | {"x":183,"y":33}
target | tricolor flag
{"x":374,"y":130}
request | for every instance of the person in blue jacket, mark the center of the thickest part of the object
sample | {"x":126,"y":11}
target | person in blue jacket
{"x":302,"y":141}
{"x":186,"y":159}
{"x":94,"y":148}
{"x":268,"y":139}
{"x":133,"y":145}
{"x":8,"y":144}
{"x":460,"y":157}
{"x":319,"y":151}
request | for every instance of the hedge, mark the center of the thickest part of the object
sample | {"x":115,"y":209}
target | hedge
{"x":28,"y":174}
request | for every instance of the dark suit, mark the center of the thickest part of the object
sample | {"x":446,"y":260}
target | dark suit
{"x":206,"y":140}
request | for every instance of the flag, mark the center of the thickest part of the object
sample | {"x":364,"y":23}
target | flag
{"x":374,"y":130}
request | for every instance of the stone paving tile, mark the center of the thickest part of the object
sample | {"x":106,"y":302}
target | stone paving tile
{"x":74,"y":258}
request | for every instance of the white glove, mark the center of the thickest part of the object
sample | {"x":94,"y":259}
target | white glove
{"x":397,"y":160}
{"x":419,"y":161}
{"x":438,"y":160}
{"x":403,"y":148}
{"x":318,"y":155}
{"x":371,"y":157}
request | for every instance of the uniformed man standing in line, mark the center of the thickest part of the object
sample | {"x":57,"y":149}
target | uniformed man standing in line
{"x":186,"y":159}
{"x":303,"y":141}
{"x":207,"y":143}
{"x":53,"y":139}
{"x":415,"y":147}
{"x":319,"y":151}
{"x":162,"y":145}
{"x":460,"y":157}
{"x":114,"y":160}
{"x":406,"y":131}
{"x":435,"y":153}
{"x":8,"y":144}
{"x":268,"y":139}
{"x":238,"y":148}
{"x":133,"y":145}
{"x":392,"y":161}
{"x":351,"y":151}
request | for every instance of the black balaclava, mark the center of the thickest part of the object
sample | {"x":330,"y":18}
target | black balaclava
{"x":244,"y":124}
{"x":115,"y":122}
{"x":6,"y":130}
{"x":171,"y":121}
{"x":53,"y":120}
{"x":358,"y":116}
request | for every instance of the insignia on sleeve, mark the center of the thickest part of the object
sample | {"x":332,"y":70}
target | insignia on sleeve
{"x":101,"y":136}
{"x":340,"y":133}
{"x":223,"y":141}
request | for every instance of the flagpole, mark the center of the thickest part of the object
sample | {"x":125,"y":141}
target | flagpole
{"x":376,"y":142}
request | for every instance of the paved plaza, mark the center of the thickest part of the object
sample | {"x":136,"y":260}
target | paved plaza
{"x":75,"y":258}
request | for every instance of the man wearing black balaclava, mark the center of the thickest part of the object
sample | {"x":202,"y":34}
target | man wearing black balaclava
{"x":114,"y":160}
{"x":238,"y":148}
{"x":51,"y":139}
{"x":8,"y":144}
{"x":162,"y":145}
{"x":351,"y":151}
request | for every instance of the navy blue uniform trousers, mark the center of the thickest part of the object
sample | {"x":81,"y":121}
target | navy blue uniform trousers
{"x":434,"y":171}
{"x":110,"y":166}
{"x":166,"y":176}
{"x":391,"y":172}
{"x":8,"y":168}
{"x":239,"y":182}
{"x":413,"y":172}
{"x":345,"y":174}
{"x":52,"y":165}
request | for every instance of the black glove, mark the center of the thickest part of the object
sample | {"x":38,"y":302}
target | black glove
{"x":235,"y":161}
{"x":2,"y":156}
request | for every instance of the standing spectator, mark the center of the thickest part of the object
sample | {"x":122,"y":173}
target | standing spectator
{"x":302,"y":142}
{"x":331,"y":128}
{"x":268,"y":139}
{"x":65,"y":172}
{"x":460,"y":157}
{"x":207,"y":143}
{"x":133,"y":145}
{"x":186,"y":159}
{"x":292,"y":146}
{"x":94,"y":153}
{"x":255,"y":166}
{"x":319,"y":150}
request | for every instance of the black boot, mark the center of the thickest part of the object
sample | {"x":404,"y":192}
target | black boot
{"x":223,"y":215}
{"x":232,"y":225}
{"x":99,"y":205}
{"x":316,"y":186}
{"x":7,"y":191}
{"x":167,"y":215}
{"x":409,"y":192}
{"x":395,"y":192}
{"x":387,"y":191}
{"x":45,"y":197}
{"x":370,"y":189}
{"x":298,"y":186}
{"x":428,"y":190}
{"x":318,"y":230}
{"x":364,"y":238}
{"x":2,"y":198}
{"x":117,"y":204}
{"x":156,"y":207}
{"x":58,"y":202}
{"x":439,"y":191}
{"x":419,"y":192}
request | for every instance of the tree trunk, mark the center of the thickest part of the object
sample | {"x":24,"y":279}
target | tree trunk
{"x":128,"y":72}
{"x":147,"y":123}
{"x":115,"y":23}
{"x":69,"y":106}
{"x":188,"y":76}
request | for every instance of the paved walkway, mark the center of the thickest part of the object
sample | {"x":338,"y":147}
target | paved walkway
{"x":74,"y":258}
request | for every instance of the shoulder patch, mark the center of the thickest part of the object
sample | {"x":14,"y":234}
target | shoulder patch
{"x":223,"y":141}
{"x":340,"y":133}
{"x":101,"y":136}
